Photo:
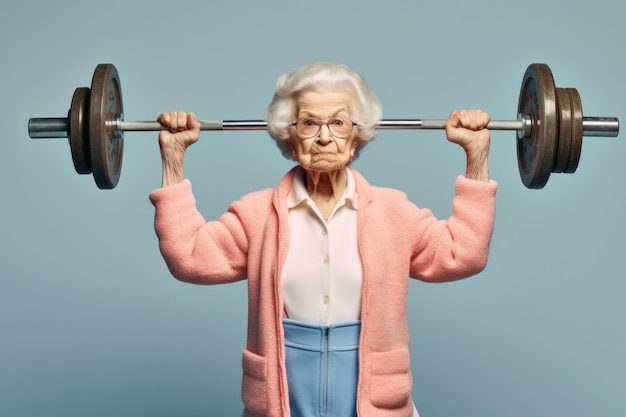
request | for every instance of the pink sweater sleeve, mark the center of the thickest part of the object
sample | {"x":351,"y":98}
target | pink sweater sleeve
{"x":457,"y":248}
{"x":195,"y":250}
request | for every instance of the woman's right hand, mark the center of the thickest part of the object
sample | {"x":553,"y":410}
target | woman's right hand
{"x":183,"y":131}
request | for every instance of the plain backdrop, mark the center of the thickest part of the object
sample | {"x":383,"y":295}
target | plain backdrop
{"x":92,"y":323}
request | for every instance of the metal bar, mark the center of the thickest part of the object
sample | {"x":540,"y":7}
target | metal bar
{"x":601,"y":126}
{"x":388,"y":124}
{"x":58,"y":127}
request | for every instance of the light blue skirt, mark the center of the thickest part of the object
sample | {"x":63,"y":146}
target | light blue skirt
{"x":322,"y":368}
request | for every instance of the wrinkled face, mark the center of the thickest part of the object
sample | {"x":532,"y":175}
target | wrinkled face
{"x":323,"y":152}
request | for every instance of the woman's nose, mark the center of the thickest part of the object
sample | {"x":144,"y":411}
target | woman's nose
{"x":324,"y":136}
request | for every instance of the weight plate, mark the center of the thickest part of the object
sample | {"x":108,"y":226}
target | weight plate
{"x":577,"y":131}
{"x":79,"y":130}
{"x":106,"y":145}
{"x":536,"y":152}
{"x":565,"y":130}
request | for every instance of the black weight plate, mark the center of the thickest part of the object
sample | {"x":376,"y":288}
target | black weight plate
{"x":565,"y":130}
{"x":105,"y":144}
{"x":79,"y":130}
{"x":577,"y":131}
{"x":536,"y":153}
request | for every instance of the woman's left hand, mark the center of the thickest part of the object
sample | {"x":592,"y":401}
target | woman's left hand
{"x":467,"y":129}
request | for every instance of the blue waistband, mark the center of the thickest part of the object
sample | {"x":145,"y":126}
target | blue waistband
{"x":341,"y":336}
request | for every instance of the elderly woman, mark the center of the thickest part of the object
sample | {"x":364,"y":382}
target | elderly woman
{"x":327,"y":256}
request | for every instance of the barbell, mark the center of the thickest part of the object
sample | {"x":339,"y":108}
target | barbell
{"x":550,"y":127}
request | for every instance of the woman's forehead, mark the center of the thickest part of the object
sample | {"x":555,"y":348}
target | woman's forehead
{"x":324,"y":101}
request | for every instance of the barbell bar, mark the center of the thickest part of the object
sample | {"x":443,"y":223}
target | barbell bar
{"x":57,"y":127}
{"x":550,"y":127}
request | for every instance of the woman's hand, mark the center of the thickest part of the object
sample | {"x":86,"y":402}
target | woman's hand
{"x":467,"y":129}
{"x":183,"y":131}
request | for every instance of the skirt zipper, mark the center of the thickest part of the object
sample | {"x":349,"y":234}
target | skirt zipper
{"x":325,"y":393}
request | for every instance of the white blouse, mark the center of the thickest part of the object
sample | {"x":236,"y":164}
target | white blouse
{"x":322,"y":276}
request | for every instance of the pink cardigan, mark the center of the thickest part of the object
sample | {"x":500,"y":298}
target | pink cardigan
{"x":396,"y":240}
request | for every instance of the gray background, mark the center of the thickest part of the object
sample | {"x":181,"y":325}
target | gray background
{"x":91,"y":322}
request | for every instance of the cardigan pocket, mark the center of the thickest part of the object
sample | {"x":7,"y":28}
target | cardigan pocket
{"x":390,"y":380}
{"x":254,"y":383}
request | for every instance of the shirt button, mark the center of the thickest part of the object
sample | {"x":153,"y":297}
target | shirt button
{"x":324,"y":232}
{"x":325,"y":300}
{"x":325,"y":260}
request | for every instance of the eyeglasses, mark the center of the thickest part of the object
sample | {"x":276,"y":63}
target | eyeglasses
{"x":339,"y":127}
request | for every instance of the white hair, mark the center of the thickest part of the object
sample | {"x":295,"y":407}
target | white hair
{"x":319,"y":77}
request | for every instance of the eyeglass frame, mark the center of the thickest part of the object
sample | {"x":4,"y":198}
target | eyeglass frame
{"x":322,"y":122}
